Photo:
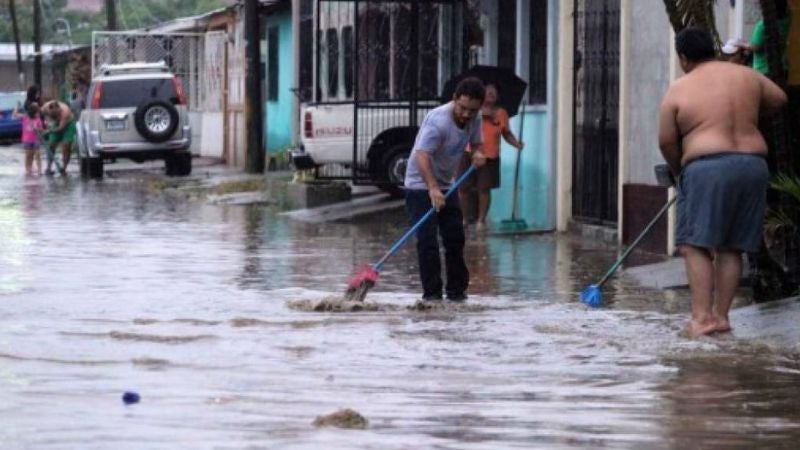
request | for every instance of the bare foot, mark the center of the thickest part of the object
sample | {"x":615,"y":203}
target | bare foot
{"x":480,"y":226}
{"x":722,"y":325}
{"x":696,"y":329}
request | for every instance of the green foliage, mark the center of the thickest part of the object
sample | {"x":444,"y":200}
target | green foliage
{"x":786,"y":218}
{"x":131,"y":14}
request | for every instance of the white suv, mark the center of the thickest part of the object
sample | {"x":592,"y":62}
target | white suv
{"x":136,"y":111}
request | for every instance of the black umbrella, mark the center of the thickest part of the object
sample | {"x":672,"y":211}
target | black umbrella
{"x":510,"y":87}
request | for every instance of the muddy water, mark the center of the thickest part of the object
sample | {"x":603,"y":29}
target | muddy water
{"x":111,"y":287}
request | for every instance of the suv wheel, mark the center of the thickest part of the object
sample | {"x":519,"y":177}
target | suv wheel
{"x":156,"y":120}
{"x":92,"y":168}
{"x":388,"y":169}
{"x":179,"y":164}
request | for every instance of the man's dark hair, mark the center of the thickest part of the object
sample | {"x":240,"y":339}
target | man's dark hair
{"x":695,"y":43}
{"x":472,"y":87}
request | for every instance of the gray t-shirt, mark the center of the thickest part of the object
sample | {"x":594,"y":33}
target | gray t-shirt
{"x":445,"y":142}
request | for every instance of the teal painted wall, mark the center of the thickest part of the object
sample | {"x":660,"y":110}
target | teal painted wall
{"x":279,"y":122}
{"x":536,"y":176}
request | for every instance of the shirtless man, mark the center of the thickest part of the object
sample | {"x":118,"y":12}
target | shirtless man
{"x":709,"y":136}
{"x":62,"y":134}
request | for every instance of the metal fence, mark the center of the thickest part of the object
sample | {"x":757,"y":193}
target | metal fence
{"x":186,"y":54}
{"x":390,"y":61}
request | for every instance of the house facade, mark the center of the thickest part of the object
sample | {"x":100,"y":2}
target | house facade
{"x":616,"y":60}
{"x":522,"y":35}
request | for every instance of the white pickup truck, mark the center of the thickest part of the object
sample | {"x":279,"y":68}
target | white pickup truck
{"x":385,"y":138}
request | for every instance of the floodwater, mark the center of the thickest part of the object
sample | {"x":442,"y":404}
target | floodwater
{"x":115,"y":286}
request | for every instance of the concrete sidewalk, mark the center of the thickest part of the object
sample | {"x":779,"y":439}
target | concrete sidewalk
{"x":669,"y":274}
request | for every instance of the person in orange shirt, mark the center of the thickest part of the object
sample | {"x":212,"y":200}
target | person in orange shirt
{"x":494,"y":125}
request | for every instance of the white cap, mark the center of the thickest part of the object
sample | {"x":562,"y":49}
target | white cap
{"x":732,"y":46}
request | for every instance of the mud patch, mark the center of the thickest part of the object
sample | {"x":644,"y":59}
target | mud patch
{"x":244,"y":322}
{"x":241,"y":198}
{"x":150,"y":363}
{"x":336,"y":304}
{"x":121,"y":336}
{"x":299,"y":352}
{"x":197,"y":322}
{"x":344,"y":418}
{"x":236,"y":186}
{"x":443,"y":306}
{"x":144,"y":321}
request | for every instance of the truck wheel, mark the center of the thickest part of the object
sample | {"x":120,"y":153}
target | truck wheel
{"x":156,"y":120}
{"x":179,"y":164}
{"x":388,"y":169}
{"x":84,"y":161}
{"x":92,"y":168}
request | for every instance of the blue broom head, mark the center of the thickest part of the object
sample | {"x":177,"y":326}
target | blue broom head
{"x":592,"y":296}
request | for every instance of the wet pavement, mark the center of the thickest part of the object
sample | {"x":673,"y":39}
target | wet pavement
{"x":134,"y":283}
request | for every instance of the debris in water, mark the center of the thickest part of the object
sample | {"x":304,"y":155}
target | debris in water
{"x":344,"y":418}
{"x":333,"y":304}
{"x":130,"y":398}
{"x":442,"y":306}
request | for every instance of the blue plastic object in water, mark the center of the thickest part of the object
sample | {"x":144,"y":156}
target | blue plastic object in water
{"x":130,"y":398}
{"x":592,"y":295}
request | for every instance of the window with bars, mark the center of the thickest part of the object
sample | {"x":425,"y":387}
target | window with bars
{"x":306,"y":66}
{"x":348,"y":60}
{"x":507,"y":34}
{"x":537,"y":75}
{"x":272,"y":63}
{"x":332,"y":42}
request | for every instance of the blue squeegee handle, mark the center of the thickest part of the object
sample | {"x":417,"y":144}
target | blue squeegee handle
{"x":636,"y":242}
{"x":377,"y":266}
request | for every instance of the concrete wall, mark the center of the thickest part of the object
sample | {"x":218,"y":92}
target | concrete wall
{"x":280,"y":120}
{"x":535,"y":195}
{"x":211,"y":140}
{"x":648,"y":78}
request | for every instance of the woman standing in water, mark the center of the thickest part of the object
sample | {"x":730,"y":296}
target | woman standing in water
{"x":493,"y":126}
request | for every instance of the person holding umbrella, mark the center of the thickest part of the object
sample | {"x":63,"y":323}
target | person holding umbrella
{"x":440,"y":143}
{"x":494,"y":124}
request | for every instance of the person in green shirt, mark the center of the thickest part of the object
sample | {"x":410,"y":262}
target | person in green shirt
{"x":758,"y":38}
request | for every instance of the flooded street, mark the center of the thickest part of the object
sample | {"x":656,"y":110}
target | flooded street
{"x":122,"y":285}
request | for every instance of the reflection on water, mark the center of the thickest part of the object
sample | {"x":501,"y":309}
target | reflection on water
{"x":113,"y":286}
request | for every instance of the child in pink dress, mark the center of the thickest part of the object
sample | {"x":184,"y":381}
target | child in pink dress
{"x":31,"y":127}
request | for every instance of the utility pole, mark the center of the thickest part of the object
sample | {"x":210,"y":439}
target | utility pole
{"x":37,"y":43}
{"x":255,"y":155}
{"x":12,"y":8}
{"x":111,"y":15}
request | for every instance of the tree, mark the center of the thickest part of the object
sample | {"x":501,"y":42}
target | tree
{"x":130,"y":15}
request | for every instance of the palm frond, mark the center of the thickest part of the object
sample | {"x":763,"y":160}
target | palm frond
{"x":778,"y":219}
{"x":687,"y":13}
{"x":787,"y":184}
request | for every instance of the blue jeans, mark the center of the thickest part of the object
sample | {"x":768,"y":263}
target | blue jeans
{"x":448,"y":222}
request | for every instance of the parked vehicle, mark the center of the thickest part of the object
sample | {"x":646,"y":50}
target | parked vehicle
{"x":363,"y":108}
{"x":136,"y":111}
{"x":384,"y":136}
{"x":10,"y":127}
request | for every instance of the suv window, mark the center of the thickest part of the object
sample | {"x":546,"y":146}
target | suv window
{"x":130,"y":93}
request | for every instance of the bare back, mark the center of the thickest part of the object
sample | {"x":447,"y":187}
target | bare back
{"x":715,"y":108}
{"x":58,"y":111}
